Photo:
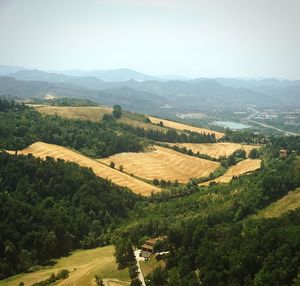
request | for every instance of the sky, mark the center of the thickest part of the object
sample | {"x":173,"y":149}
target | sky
{"x":192,"y":38}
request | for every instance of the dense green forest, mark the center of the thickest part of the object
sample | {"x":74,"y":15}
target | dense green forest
{"x":252,"y":252}
{"x":244,"y":137}
{"x":49,"y":207}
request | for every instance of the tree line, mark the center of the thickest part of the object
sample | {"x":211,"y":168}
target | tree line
{"x":22,"y":127}
{"x":170,"y":135}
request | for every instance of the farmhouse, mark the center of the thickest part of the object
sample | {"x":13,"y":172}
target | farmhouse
{"x":148,"y":246}
{"x":283,"y":153}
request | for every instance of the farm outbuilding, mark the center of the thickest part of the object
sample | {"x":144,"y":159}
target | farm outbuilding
{"x":148,"y":246}
{"x":283,"y":153}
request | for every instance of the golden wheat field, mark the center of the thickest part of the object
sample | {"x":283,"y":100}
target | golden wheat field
{"x":181,"y":126}
{"x":243,"y":167}
{"x":163,"y":163}
{"x":82,"y":264}
{"x":216,"y":150}
{"x":42,"y":150}
{"x":93,"y":113}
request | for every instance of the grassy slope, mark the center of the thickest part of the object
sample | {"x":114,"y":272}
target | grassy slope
{"x":289,"y":202}
{"x":150,"y":265}
{"x":83,"y":264}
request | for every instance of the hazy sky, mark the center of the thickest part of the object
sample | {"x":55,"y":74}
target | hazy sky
{"x":241,"y":38}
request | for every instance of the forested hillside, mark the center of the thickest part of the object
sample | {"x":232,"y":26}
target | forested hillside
{"x":211,"y":237}
{"x":21,"y":126}
{"x":49,"y":207}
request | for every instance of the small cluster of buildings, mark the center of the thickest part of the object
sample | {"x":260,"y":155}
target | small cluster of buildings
{"x":147,"y":249}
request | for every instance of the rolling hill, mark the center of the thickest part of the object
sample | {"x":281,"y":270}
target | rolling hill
{"x":43,"y":150}
{"x":216,"y":150}
{"x":51,"y":207}
{"x":182,"y":127}
{"x":163,"y":164}
{"x":244,"y":167}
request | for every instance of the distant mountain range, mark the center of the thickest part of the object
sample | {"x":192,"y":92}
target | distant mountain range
{"x":139,"y":92}
{"x":4,"y":69}
{"x":111,"y":75}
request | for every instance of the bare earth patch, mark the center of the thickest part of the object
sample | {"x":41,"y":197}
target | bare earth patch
{"x":243,"y":167}
{"x":216,"y":150}
{"x":163,"y":163}
{"x":42,"y":150}
{"x":181,"y":126}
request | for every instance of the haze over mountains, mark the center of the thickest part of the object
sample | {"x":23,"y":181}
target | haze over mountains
{"x":139,"y":92}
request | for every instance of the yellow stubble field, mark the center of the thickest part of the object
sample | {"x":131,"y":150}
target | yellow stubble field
{"x":163,"y":163}
{"x":216,"y":150}
{"x":42,"y":150}
{"x":93,"y":113}
{"x":181,"y":126}
{"x":243,"y":167}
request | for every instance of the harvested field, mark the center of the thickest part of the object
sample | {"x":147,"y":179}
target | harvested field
{"x":289,"y":202}
{"x":181,"y":126}
{"x":243,"y":167}
{"x":42,"y":150}
{"x":216,"y":150}
{"x":82,"y":264}
{"x":93,"y":113}
{"x":141,"y":124}
{"x":163,"y":163}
